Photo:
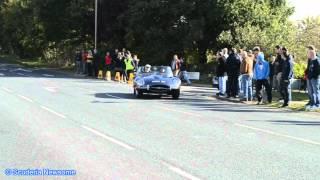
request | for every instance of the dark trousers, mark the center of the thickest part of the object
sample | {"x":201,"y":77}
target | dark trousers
{"x":285,"y":90}
{"x":265,"y":83}
{"x":233,"y":86}
{"x":128,"y":73}
{"x":89,"y":67}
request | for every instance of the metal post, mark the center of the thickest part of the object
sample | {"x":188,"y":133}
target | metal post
{"x":96,"y":25}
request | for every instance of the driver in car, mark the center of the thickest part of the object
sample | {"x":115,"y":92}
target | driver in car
{"x":147,"y":68}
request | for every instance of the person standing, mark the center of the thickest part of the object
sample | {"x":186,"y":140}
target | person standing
{"x":277,"y":68}
{"x":129,"y":65}
{"x":84,"y":62}
{"x":136,"y":62}
{"x":89,"y":63}
{"x":118,"y":65}
{"x":233,"y":72}
{"x":123,"y":68}
{"x":246,"y":69}
{"x":261,"y":75}
{"x":175,"y":65}
{"x":78,"y":59}
{"x":96,"y":62}
{"x":313,"y":79}
{"x":221,"y":73}
{"x":107,"y":62}
{"x":287,"y":76}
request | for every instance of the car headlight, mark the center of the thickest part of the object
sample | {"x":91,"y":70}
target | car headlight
{"x":140,"y":82}
{"x":176,"y":82}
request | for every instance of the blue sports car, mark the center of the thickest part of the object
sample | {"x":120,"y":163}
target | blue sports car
{"x":156,"y":80}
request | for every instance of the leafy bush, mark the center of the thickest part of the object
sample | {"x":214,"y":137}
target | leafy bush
{"x":299,"y":69}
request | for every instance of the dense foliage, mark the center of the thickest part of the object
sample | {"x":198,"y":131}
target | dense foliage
{"x":155,"y":29}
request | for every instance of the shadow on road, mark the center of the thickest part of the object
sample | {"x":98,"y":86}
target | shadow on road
{"x":127,"y":96}
{"x":293,"y":122}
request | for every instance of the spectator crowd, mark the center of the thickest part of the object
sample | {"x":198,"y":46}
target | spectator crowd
{"x":240,"y":71}
{"x":90,"y":62}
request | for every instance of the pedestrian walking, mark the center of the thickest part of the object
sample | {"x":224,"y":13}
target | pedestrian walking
{"x":221,"y":72}
{"x":313,"y":79}
{"x":261,"y":75}
{"x":287,"y":76}
{"x":233,"y":71}
{"x":183,"y":72}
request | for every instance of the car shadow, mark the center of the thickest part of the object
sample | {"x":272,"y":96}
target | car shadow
{"x":127,"y":96}
{"x":293,"y":122}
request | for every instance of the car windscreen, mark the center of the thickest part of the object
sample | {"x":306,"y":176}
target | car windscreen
{"x":164,"y":71}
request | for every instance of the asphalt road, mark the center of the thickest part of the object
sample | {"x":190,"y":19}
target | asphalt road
{"x":58,"y":121}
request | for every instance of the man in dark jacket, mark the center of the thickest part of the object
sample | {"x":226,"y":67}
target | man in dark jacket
{"x":78,"y":62}
{"x":233,"y":71}
{"x":286,"y":77}
{"x":277,"y":69}
{"x":313,"y":78}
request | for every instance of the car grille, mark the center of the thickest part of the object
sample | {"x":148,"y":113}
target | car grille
{"x":159,"y":88}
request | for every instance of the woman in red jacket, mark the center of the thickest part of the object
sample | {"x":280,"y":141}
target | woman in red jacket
{"x":108,"y":62}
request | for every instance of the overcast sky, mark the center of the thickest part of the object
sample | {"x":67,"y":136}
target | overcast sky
{"x":305,"y":8}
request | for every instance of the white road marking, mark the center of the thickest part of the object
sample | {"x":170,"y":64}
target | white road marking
{"x":278,"y":134}
{"x":113,"y":96}
{"x":124,"y":145}
{"x":25,"y":98}
{"x":25,"y":70}
{"x":181,"y":172}
{"x":53,"y":112}
{"x":47,"y":75}
{"x":51,"y":89}
{"x":7,"y":90}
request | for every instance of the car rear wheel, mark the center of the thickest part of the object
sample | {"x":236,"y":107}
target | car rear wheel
{"x":176,"y":94}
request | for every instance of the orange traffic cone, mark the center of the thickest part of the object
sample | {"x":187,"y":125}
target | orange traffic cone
{"x":108,"y":76}
{"x":117,"y":77}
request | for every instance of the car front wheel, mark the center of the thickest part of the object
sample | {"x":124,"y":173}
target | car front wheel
{"x":138,"y":93}
{"x":176,"y":94}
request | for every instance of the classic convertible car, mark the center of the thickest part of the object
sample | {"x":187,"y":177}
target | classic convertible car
{"x":156,"y":80}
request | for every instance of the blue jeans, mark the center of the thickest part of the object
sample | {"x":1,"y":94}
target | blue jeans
{"x":314,"y":91}
{"x":240,"y":88}
{"x":78,"y":67}
{"x":222,"y":84}
{"x":246,"y":84}
{"x":185,"y":76}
